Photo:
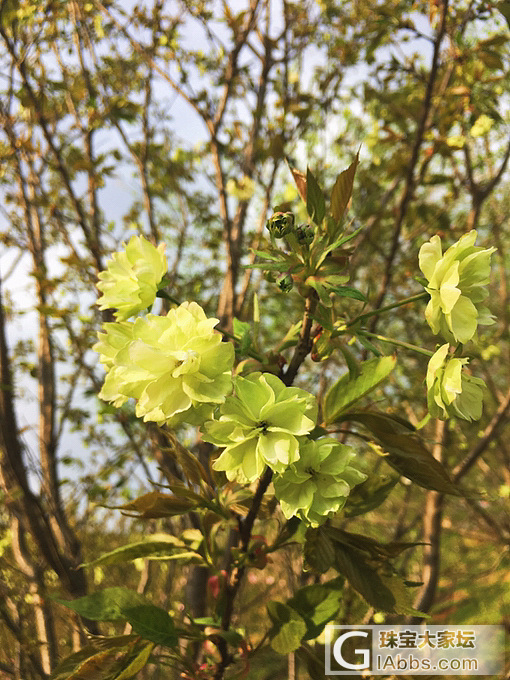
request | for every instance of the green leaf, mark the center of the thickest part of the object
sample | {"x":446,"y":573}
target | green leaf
{"x":104,"y":605}
{"x":369,"y":346}
{"x":155,"y":548}
{"x":317,"y":604}
{"x":315,"y":204}
{"x":342,"y":190}
{"x":369,"y":495}
{"x":152,"y":623}
{"x":121,"y":604}
{"x":244,"y":334}
{"x":136,"y":665}
{"x":265,"y":255}
{"x":240,"y":328}
{"x":71,"y":663}
{"x":96,"y":657}
{"x":348,"y":237}
{"x":286,"y":532}
{"x":383,"y":591}
{"x":319,"y":551}
{"x":346,"y":391}
{"x":371,"y":547}
{"x":347,"y":291}
{"x":156,"y":504}
{"x":352,"y":364}
{"x":281,"y":266}
{"x":191,"y":466}
{"x":377,"y":421}
{"x":323,"y":250}
{"x":96,"y":666}
{"x":407,"y":453}
{"x":288,"y":628}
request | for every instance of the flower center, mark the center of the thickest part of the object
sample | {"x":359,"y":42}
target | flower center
{"x":188,"y":362}
{"x":263,"y":425}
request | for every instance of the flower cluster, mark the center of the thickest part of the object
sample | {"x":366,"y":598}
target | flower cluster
{"x":260,"y":426}
{"x":318,"y":483}
{"x":456,"y":283}
{"x":130,"y":282}
{"x":170,"y":364}
{"x":178,"y":369}
{"x":450,"y":392}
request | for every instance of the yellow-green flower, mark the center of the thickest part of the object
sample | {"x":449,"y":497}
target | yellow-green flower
{"x":116,"y":335}
{"x":260,"y":426}
{"x":172,"y":365}
{"x":130,"y":282}
{"x":450,"y":392}
{"x":456,"y":283}
{"x":317,"y":485}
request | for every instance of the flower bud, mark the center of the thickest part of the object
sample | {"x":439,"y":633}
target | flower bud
{"x":285,"y":282}
{"x":280,"y":223}
{"x":304,"y":234}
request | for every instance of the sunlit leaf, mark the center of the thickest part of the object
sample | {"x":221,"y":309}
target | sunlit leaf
{"x":346,"y":391}
{"x":154,"y":547}
{"x":104,"y":605}
{"x":317,"y":604}
{"x":300,"y":180}
{"x":152,"y":623}
{"x":288,"y":627}
{"x":342,"y":190}
{"x":136,"y":665}
{"x":315,"y":203}
{"x":156,"y":504}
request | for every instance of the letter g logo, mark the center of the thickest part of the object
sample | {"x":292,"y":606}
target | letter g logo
{"x":337,"y":651}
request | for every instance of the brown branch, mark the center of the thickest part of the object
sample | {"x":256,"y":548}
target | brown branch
{"x":14,"y":479}
{"x":231,"y":67}
{"x":231,"y":589}
{"x":490,"y":433}
{"x":431,"y":535}
{"x":410,"y":178}
{"x":56,"y":153}
{"x":480,"y":192}
{"x":304,"y":345}
{"x":241,"y":299}
{"x":92,"y":184}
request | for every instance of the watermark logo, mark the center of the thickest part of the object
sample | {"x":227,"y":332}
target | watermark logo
{"x":399,"y":650}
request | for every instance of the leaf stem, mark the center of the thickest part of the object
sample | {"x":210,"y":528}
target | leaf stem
{"x":398,"y":343}
{"x":414,"y":298}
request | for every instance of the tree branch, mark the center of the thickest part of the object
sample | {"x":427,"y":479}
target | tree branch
{"x":410,"y":179}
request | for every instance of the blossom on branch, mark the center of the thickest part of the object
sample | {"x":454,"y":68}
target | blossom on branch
{"x":450,"y":392}
{"x":172,"y":365}
{"x":260,"y":426}
{"x":456,"y":284}
{"x":317,"y":485}
{"x":130,"y":282}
